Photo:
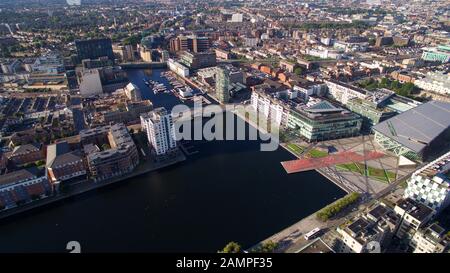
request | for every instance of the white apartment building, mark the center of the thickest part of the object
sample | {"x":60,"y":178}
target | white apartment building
{"x":414,"y":215}
{"x":370,"y":232}
{"x":270,"y":108}
{"x":305,"y":91}
{"x":178,"y":68}
{"x":342,"y":92}
{"x":430,"y":240}
{"x":430,"y":184}
{"x":133,"y":92}
{"x":435,"y":82}
{"x":324,"y":53}
{"x":237,"y":18}
{"x":158,"y":125}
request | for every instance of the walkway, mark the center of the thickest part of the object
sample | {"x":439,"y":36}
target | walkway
{"x":307,"y":164}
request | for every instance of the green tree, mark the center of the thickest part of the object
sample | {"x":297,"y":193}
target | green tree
{"x":132,"y":40}
{"x":395,"y":85}
{"x":298,"y":71}
{"x":268,"y":247}
{"x":105,"y":147}
{"x":231,"y":247}
{"x":40,"y":163}
{"x":384,"y":83}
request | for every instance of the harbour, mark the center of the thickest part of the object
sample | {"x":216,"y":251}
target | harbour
{"x":185,"y":207}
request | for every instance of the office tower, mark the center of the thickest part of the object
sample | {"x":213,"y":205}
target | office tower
{"x":222,"y":84}
{"x":191,"y":43}
{"x":160,"y":130}
{"x":200,"y":44}
{"x":94,"y":49}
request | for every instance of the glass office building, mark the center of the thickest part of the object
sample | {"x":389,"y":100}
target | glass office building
{"x":94,"y":49}
{"x":324,"y":121}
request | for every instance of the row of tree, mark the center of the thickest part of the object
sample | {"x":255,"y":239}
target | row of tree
{"x":336,"y":207}
{"x":266,"y":247}
{"x":332,"y":25}
{"x":403,"y":89}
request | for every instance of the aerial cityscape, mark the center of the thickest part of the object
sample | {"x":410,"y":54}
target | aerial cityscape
{"x":225,"y":126}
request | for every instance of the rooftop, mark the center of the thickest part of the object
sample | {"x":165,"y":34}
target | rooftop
{"x":26,"y":148}
{"x":439,"y":166}
{"x":415,"y":209}
{"x":417,"y":127}
{"x":17,"y":176}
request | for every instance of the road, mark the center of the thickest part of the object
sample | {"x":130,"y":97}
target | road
{"x":348,"y":214}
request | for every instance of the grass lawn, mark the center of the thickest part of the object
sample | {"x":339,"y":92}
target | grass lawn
{"x":379,"y":174}
{"x":349,"y":167}
{"x":295,"y":148}
{"x":317,"y":153}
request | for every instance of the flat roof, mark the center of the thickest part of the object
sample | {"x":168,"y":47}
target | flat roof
{"x":317,"y":246}
{"x":415,"y":209}
{"x":417,"y":127}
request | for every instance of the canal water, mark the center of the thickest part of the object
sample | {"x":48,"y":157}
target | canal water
{"x":228,"y":191}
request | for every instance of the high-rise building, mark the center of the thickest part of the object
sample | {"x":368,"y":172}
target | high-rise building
{"x":223,"y":84}
{"x":94,"y":48}
{"x":191,"y":43}
{"x":200,"y":44}
{"x":158,"y":125}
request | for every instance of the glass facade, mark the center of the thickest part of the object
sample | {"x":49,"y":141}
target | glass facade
{"x":370,"y":114}
{"x":222,"y":84}
{"x":393,"y":146}
{"x":324,"y":129}
{"x":94,"y":49}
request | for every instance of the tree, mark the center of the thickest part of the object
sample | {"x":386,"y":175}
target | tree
{"x":384,"y":82}
{"x":231,"y":247}
{"x":40,"y":163}
{"x":298,"y":71}
{"x":105,"y":147}
{"x":395,"y":85}
{"x":268,"y":247}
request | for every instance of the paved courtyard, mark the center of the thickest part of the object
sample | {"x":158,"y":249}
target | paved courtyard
{"x":370,"y":176}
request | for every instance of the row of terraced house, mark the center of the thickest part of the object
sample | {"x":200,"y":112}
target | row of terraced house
{"x":33,"y":171}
